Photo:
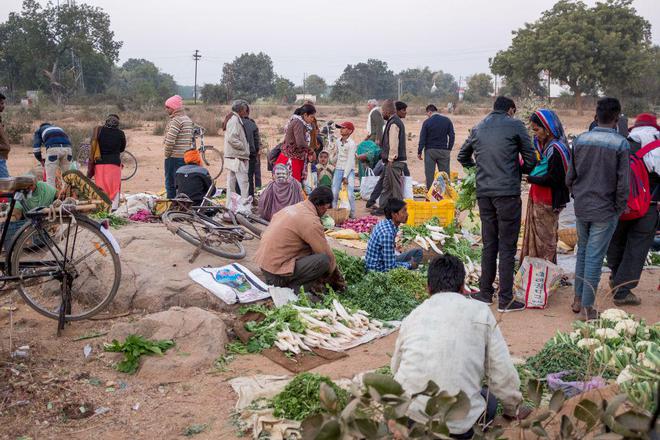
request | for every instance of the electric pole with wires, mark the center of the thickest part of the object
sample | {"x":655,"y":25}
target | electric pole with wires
{"x":196,"y":57}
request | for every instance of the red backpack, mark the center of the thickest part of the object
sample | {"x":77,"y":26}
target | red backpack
{"x":639,"y":198}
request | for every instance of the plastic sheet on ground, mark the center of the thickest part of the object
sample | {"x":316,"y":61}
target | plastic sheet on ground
{"x":215,"y":280}
{"x":135,"y":203}
{"x":391,"y":327}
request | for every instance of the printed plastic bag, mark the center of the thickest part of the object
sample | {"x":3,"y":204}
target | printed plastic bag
{"x":367,"y":184}
{"x":343,"y":198}
{"x":535,"y":281}
{"x":407,"y":188}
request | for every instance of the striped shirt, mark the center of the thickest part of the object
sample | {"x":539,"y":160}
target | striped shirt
{"x":49,"y":136}
{"x":178,"y":135}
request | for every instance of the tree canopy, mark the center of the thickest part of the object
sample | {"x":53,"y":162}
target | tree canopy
{"x":479,"y":86}
{"x":372,"y":79}
{"x":588,"y":49}
{"x":249,"y":76}
{"x":315,"y":85}
{"x":139,"y":81}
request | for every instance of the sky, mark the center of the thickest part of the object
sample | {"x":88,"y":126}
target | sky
{"x":321,"y":37}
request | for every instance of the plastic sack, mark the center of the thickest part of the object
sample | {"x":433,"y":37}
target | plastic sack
{"x":343,"y":198}
{"x":407,"y":189}
{"x":367,"y":184}
{"x":571,"y":389}
{"x":344,"y":234}
{"x":535,"y":281}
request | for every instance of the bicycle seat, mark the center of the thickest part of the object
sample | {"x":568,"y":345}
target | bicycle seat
{"x":13,"y":184}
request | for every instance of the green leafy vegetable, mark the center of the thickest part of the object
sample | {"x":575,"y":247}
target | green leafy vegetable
{"x":115,"y":221}
{"x":265,"y":331}
{"x":135,"y":346}
{"x":556,"y":357}
{"x":467,"y":191}
{"x":352,"y":268}
{"x":300,"y":398}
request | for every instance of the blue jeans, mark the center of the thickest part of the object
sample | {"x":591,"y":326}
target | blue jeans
{"x":336,"y":187}
{"x":4,"y":172}
{"x":415,"y":255}
{"x":171,"y":165}
{"x":593,"y":241}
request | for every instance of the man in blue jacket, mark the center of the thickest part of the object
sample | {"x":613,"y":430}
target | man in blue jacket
{"x":58,"y":150}
{"x":436,"y":139}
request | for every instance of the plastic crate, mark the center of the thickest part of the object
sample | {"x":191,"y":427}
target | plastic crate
{"x":420,"y":212}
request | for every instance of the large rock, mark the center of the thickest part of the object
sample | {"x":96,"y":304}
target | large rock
{"x":200,"y":337}
{"x":155,"y":270}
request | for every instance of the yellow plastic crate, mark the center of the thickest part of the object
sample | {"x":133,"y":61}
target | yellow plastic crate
{"x":420,"y":212}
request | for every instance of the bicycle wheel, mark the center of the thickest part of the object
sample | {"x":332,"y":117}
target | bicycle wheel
{"x":210,"y":236}
{"x":53,"y":252}
{"x":253,"y":223}
{"x":129,"y":165}
{"x":214,"y":161}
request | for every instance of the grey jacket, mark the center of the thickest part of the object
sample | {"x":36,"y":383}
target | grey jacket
{"x":598,"y":175}
{"x":496,"y":143}
{"x":236,"y":143}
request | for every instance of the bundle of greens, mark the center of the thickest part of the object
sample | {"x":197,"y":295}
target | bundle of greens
{"x":388,"y":296}
{"x":352,"y":268}
{"x":135,"y":346}
{"x":115,"y":221}
{"x":276,"y":320}
{"x":467,"y":191}
{"x":558,"y":356}
{"x":300,"y":398}
{"x":408,"y":232}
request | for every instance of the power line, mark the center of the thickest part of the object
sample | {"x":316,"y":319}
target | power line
{"x":196,"y":57}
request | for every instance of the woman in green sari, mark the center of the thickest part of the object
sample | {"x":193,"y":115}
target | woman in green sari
{"x":368,"y":154}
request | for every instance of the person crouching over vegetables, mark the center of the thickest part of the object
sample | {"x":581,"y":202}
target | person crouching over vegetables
{"x":381,"y":249}
{"x":293,"y":251}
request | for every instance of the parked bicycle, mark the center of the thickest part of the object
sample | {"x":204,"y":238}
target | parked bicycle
{"x":62,"y":263}
{"x":213,"y":158}
{"x":129,"y":163}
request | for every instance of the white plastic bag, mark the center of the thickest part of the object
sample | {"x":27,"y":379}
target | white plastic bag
{"x":367,"y":184}
{"x":344,"y":203}
{"x":535,"y":281}
{"x":407,"y":187}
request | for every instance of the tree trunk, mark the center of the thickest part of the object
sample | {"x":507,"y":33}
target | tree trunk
{"x":578,"y":102}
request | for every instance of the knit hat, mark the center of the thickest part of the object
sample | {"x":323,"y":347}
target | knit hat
{"x":192,"y":156}
{"x":646,"y":120}
{"x":174,"y":102}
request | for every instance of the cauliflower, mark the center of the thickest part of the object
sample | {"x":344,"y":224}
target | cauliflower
{"x":644,"y":345}
{"x":626,"y":350}
{"x":624,"y":376}
{"x":607,"y":333}
{"x":588,"y":343}
{"x":614,"y":315}
{"x":626,"y":327}
{"x":575,"y":335}
{"x":645,"y":362}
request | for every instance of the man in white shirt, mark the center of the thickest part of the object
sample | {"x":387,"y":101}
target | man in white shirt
{"x":456,"y":342}
{"x":345,"y":167}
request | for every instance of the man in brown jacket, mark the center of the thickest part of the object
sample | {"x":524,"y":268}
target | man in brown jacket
{"x":293,"y":251}
{"x":4,"y":142}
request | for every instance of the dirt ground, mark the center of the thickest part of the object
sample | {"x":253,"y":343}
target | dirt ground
{"x":56,"y":373}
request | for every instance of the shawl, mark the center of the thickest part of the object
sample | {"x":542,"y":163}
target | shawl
{"x":278,"y":195}
{"x":552,"y":124}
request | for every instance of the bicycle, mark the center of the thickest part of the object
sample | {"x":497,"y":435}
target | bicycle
{"x":63,"y":264}
{"x":129,"y":163}
{"x":195,"y":225}
{"x":213,"y":158}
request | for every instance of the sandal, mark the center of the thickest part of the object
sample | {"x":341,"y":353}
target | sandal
{"x":576,"y":307}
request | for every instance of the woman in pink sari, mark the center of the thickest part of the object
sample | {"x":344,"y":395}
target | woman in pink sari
{"x":105,"y":158}
{"x":296,"y":150}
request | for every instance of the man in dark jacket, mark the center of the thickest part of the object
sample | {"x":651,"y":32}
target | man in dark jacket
{"x":598,"y":181}
{"x":254,"y":165}
{"x":193,"y":179}
{"x":393,"y":151}
{"x":496,"y":143}
{"x":436,"y":139}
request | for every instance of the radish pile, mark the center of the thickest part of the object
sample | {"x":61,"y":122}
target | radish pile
{"x":361,"y":225}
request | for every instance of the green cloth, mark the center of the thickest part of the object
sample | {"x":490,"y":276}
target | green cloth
{"x":325,"y":174}
{"x":43,"y":195}
{"x":372,"y":150}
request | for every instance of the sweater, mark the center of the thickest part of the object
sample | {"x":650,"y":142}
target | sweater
{"x":437,"y":133}
{"x":236,"y":143}
{"x":598,"y":175}
{"x":112,"y":143}
{"x":193,"y":181}
{"x":49,"y":136}
{"x":178,"y":135}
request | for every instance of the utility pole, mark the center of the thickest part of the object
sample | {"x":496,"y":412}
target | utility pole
{"x":398,"y":89}
{"x":196,"y":57}
{"x":304,"y":84}
{"x":460,"y":80}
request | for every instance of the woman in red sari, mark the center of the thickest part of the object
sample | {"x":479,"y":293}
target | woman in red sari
{"x":296,"y":150}
{"x":105,"y":161}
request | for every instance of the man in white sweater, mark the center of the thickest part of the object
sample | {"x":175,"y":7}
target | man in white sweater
{"x":237,"y":154}
{"x":455,"y":341}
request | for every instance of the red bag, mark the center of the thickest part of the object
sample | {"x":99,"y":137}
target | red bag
{"x":639,"y":198}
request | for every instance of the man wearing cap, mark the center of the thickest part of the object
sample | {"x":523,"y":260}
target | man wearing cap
{"x":345,"y":168}
{"x":632,"y":239}
{"x":178,"y":139}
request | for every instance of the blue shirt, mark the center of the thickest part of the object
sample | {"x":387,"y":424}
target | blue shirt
{"x":49,"y":136}
{"x":380,"y":249}
{"x":437,"y":133}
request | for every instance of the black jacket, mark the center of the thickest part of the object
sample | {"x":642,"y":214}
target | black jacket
{"x":437,"y":133}
{"x":252,"y":135}
{"x":555,"y":178}
{"x":496,"y":143}
{"x":385,"y":144}
{"x":112,"y":142}
{"x":193,"y":181}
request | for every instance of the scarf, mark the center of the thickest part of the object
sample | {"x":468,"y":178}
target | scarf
{"x":279,"y":195}
{"x":553,"y":125}
{"x":644,"y":135}
{"x":112,"y":121}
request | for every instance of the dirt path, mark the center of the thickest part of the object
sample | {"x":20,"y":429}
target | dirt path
{"x":56,"y":373}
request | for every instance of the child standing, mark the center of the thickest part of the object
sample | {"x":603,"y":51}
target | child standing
{"x":324,"y":170}
{"x":345,"y":170}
